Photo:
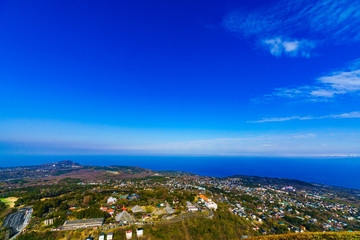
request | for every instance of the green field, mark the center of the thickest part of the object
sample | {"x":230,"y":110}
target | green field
{"x":10,"y":201}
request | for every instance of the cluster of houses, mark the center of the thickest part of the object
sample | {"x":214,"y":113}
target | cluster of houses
{"x":271,"y":201}
{"x":109,"y":210}
{"x":258,"y":218}
{"x":318,"y":202}
{"x":125,"y":218}
{"x":102,"y":236}
{"x":113,"y":200}
{"x":334,"y":224}
{"x":110,"y":235}
{"x":283,"y":201}
{"x":204,"y":201}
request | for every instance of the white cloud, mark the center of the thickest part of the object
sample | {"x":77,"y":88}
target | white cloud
{"x":278,"y":47}
{"x":291,"y":46}
{"x":244,"y":144}
{"x":347,"y":115}
{"x":329,"y":86}
{"x":289,"y":92}
{"x":283,"y":119}
{"x":325,"y":21}
{"x":323,"y":93}
{"x":343,"y":81}
{"x":280,"y":119}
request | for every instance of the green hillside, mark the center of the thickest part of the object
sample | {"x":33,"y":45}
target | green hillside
{"x":313,"y":235}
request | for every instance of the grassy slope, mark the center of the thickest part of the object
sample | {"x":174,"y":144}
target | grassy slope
{"x":10,"y":201}
{"x":224,"y":225}
{"x":314,"y":235}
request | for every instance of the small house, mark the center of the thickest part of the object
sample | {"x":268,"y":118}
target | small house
{"x":128,"y":234}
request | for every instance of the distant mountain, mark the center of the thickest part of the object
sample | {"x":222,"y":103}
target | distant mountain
{"x":175,"y":173}
{"x":69,"y":169}
{"x":38,"y":171}
{"x":253,"y":180}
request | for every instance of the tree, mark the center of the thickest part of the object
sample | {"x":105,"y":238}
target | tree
{"x":87,"y":199}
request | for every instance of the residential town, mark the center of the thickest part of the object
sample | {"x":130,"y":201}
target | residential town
{"x":127,"y":208}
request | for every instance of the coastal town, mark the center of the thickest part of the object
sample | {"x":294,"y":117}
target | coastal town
{"x":130,"y":208}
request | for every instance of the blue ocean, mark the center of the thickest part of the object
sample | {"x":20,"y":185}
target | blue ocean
{"x":344,"y":172}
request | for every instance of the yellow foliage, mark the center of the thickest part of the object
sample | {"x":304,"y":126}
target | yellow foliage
{"x":311,"y":235}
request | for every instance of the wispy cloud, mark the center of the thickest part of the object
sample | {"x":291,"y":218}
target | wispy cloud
{"x":278,"y":47}
{"x":111,"y":140}
{"x":322,"y":21}
{"x":335,"y":83}
{"x":244,"y":145}
{"x":283,"y":119}
{"x":342,"y":81}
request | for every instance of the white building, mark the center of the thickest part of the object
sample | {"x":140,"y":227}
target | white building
{"x":48,"y":222}
{"x":109,"y":236}
{"x":102,"y":236}
{"x":208,"y":202}
{"x":139,"y":232}
{"x":128,"y":234}
{"x":191,"y":207}
{"x":211,"y":205}
{"x":137,"y":209}
{"x":111,"y":200}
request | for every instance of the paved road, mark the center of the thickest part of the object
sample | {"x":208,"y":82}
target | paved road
{"x":211,"y":213}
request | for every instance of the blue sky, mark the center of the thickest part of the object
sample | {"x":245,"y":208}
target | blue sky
{"x":252,"y":78}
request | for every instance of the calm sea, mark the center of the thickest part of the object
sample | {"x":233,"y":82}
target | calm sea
{"x":343,"y":172}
